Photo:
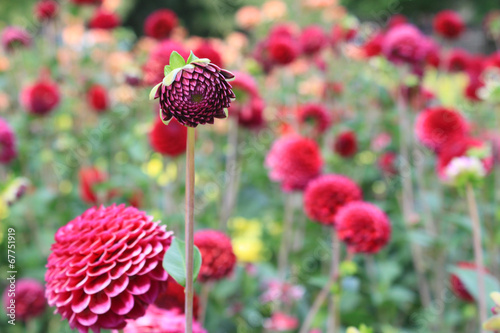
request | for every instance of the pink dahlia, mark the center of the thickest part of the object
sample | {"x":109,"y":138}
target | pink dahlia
{"x":405,"y":44}
{"x":15,"y":36}
{"x":313,"y":39}
{"x":325,"y":195}
{"x":160,"y":23}
{"x":216,"y":250}
{"x":158,"y":58}
{"x":41,"y":97}
{"x":46,"y":10}
{"x":8,"y":150}
{"x":105,"y":267}
{"x":316,"y":114}
{"x":449,"y":24}
{"x":169,"y":140}
{"x":294,"y":161}
{"x":438,"y":126}
{"x":103,"y":19}
{"x":28,"y":299}
{"x":363,"y":227}
{"x":281,"y":322}
{"x":158,"y":320}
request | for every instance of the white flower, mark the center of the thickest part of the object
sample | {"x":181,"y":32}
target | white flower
{"x":464,"y":166}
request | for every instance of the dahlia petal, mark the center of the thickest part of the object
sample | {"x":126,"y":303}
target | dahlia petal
{"x":80,"y":302}
{"x":120,"y":269}
{"x":117,"y":286}
{"x":158,"y":273}
{"x":99,"y":270}
{"x":97,"y":283}
{"x":139,"y":285}
{"x":86,"y":318}
{"x":151,"y":295}
{"x":136,"y":268}
{"x":122,"y":304}
{"x":100,"y":303}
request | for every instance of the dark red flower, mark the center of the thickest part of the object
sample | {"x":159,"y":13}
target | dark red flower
{"x":41,"y":97}
{"x":206,"y":50}
{"x":373,"y":46}
{"x":448,"y":24}
{"x":103,"y":19}
{"x":387,"y":163}
{"x":8,"y":150}
{"x":26,"y":300}
{"x":313,"y":39}
{"x":159,"y":57}
{"x":46,"y":10}
{"x":316,"y":114}
{"x":458,"y":60}
{"x":160,"y":23}
{"x":363,"y":227}
{"x":173,"y":297}
{"x":433,"y":57}
{"x":346,"y":144}
{"x":216,"y":250}
{"x":282,"y":50}
{"x":294,"y":161}
{"x":438,"y":126}
{"x":168,"y":139}
{"x":325,"y":195}
{"x":458,"y":287}
{"x":86,"y":2}
{"x":97,"y":97}
{"x":106,"y":266}
{"x":89,"y":177}
{"x":13,"y":37}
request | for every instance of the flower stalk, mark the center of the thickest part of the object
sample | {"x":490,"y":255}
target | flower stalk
{"x":189,"y":228}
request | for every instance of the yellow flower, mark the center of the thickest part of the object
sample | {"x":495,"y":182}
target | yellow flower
{"x":248,"y":249}
{"x":242,"y":227}
{"x":4,"y":209}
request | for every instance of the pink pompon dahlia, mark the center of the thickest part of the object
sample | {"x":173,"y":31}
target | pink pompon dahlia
{"x":193,"y":92}
{"x":458,"y":287}
{"x":438,"y":126}
{"x":216,"y":250}
{"x":8,"y":149}
{"x":106,"y":266}
{"x":104,"y":19}
{"x":41,"y":97}
{"x":46,"y":10}
{"x":25,"y":299}
{"x":294,"y":161}
{"x":159,"y":56}
{"x":159,"y":24}
{"x":363,"y":227}
{"x":158,"y":320}
{"x":169,"y":140}
{"x":313,"y":39}
{"x":317,"y":114}
{"x":448,"y":24}
{"x":13,"y":37}
{"x":325,"y":195}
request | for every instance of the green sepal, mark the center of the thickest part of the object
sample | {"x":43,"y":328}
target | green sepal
{"x":191,"y":57}
{"x":167,"y":70}
{"x":153,"y":91}
{"x":169,"y":79}
{"x":176,"y":60}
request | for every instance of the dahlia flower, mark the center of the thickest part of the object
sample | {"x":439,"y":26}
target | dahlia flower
{"x":15,"y":36}
{"x":41,"y":97}
{"x":105,"y":267}
{"x":206,"y":50}
{"x":160,"y":23}
{"x":346,"y":144}
{"x":193,"y":92}
{"x":448,"y":24}
{"x":282,"y":50}
{"x":313,"y":39}
{"x":98,"y":99}
{"x":89,"y":177}
{"x":217,"y":253}
{"x":316,"y":114}
{"x":159,"y":56}
{"x":373,"y":46}
{"x":46,"y":10}
{"x":103,"y":19}
{"x":387,"y":163}
{"x":173,"y":297}
{"x":457,"y":285}
{"x":28,"y":298}
{"x":281,"y":322}
{"x":249,"y":105}
{"x":395,"y":20}
{"x":404,"y":43}
{"x":86,"y":2}
{"x":8,"y":149}
{"x":363,"y":227}
{"x":458,"y":60}
{"x":169,"y":140}
{"x":294,"y":161}
{"x":279,"y":291}
{"x":325,"y":195}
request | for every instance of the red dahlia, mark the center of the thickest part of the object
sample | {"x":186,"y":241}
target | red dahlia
{"x":8,"y":150}
{"x":89,"y":177}
{"x":105,"y":267}
{"x":28,"y":299}
{"x":46,"y":10}
{"x":363,"y":227}
{"x":325,"y":195}
{"x":103,"y":19}
{"x":282,"y":50}
{"x":313,"y":39}
{"x":294,"y":161}
{"x":41,"y":97}
{"x":458,"y":60}
{"x":168,"y":139}
{"x":86,"y":2}
{"x":346,"y":144}
{"x":438,"y":126}
{"x":249,"y":105}
{"x":206,"y":50}
{"x":387,"y":163}
{"x":458,"y":287}
{"x":217,"y":253}
{"x":97,"y":97}
{"x":340,"y":34}
{"x":160,"y":23}
{"x":373,"y":46}
{"x":173,"y":297}
{"x":316,"y":114}
{"x":395,"y":20}
{"x":448,"y":24}
{"x":159,"y":57}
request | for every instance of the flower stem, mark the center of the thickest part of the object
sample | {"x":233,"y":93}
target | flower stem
{"x":205,"y":292}
{"x":189,"y":228}
{"x":232,"y":174}
{"x":286,"y":236}
{"x":334,"y":303}
{"x":478,"y":253}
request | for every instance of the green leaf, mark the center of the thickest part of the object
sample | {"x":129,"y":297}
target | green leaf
{"x":191,"y":57}
{"x":176,"y":60}
{"x":469,"y":279}
{"x":174,"y":261}
{"x":152,"y":94}
{"x":167,"y":80}
{"x":167,"y":70}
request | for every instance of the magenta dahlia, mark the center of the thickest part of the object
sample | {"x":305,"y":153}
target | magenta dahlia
{"x":28,"y":299}
{"x":105,"y":267}
{"x":294,"y":161}
{"x":8,"y":149}
{"x":41,"y":97}
{"x":363,"y":227}
{"x":193,"y":92}
{"x":15,"y":36}
{"x":325,"y":195}
{"x":313,"y":39}
{"x":404,"y":43}
{"x":216,"y":250}
{"x":249,"y":105}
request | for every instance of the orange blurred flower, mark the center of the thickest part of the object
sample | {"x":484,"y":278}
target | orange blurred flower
{"x":274,"y":9}
{"x":320,"y":4}
{"x":248,"y":17}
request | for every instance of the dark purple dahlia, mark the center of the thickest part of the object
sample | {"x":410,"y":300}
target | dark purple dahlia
{"x":193,"y":92}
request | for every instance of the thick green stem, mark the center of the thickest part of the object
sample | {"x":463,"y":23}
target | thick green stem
{"x":478,"y":253}
{"x":189,"y":228}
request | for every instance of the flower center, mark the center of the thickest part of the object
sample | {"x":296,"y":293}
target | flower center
{"x":196,"y":98}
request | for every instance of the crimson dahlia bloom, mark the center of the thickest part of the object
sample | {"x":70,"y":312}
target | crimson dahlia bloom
{"x":340,"y":34}
{"x":249,"y":105}
{"x":169,"y":140}
{"x":216,"y":250}
{"x":29,"y":299}
{"x":46,"y":10}
{"x":158,"y":320}
{"x":448,"y":24}
{"x":105,"y":267}
{"x":325,"y":195}
{"x":373,"y":46}
{"x":160,"y":55}
{"x":283,"y":50}
{"x":195,"y":92}
{"x":363,"y":227}
{"x":316,"y":114}
{"x":86,"y":2}
{"x":206,"y":50}
{"x":173,"y":297}
{"x":41,"y":97}
{"x":313,"y":39}
{"x":395,"y":20}
{"x":89,"y":177}
{"x":15,"y":36}
{"x":159,"y":24}
{"x":8,"y":149}
{"x":294,"y":161}
{"x":97,"y":97}
{"x":438,"y":126}
{"x":458,"y":60}
{"x":103,"y":19}
{"x":346,"y":144}
{"x":457,"y":285}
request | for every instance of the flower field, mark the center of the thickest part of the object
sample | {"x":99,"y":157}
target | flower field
{"x":307,"y":171}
